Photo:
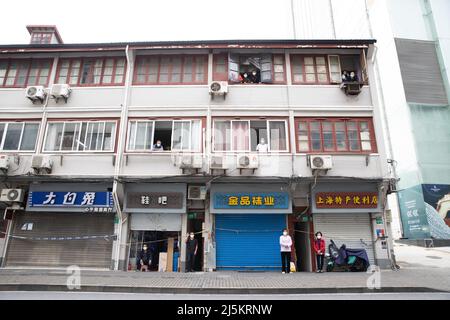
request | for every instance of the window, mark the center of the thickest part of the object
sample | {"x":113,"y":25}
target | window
{"x":259,"y":68}
{"x":18,"y":136}
{"x":186,"y":69}
{"x":250,"y":135}
{"x":335,"y":135}
{"x":92,"y":71}
{"x":24,"y":72}
{"x":220,"y":67}
{"x":41,"y":38}
{"x":80,"y":136}
{"x":174,"y":135}
{"x":309,"y":69}
{"x":3,"y":228}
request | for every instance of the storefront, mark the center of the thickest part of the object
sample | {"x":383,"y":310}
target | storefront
{"x":350,"y":214}
{"x":249,"y":219}
{"x":156,"y":212}
{"x":63,"y":225}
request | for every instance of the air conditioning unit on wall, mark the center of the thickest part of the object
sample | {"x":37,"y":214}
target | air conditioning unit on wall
{"x":36,"y":93}
{"x":218,"y":162}
{"x":321,"y":162}
{"x":247,"y":161}
{"x":4,"y":162}
{"x":12,"y":195}
{"x":190,"y":161}
{"x":59,"y":91}
{"x":218,"y":88}
{"x":41,"y":164}
{"x":197,"y":192}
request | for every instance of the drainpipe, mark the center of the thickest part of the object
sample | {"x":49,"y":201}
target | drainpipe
{"x":119,"y":157}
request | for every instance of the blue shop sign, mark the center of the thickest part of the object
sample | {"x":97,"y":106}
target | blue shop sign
{"x":74,"y":201}
{"x":272,"y":200}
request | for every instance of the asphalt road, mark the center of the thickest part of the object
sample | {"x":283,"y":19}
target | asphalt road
{"x":36,"y":295}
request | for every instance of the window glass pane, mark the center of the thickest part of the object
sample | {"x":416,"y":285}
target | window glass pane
{"x":92,"y":135}
{"x":3,"y":68}
{"x":188,"y":69}
{"x":86,"y":72}
{"x":70,"y":132}
{"x":120,"y":71}
{"x":141,"y":133}
{"x":277,"y":136}
{"x":22,"y":74}
{"x":309,"y":61}
{"x":220,"y":63}
{"x":309,"y":69}
{"x":327,"y":131}
{"x":341,"y":142}
{"x":322,"y":77}
{"x":98,"y":71}
{"x":12,"y":137}
{"x":222,"y":135}
{"x":45,"y":72}
{"x":2,"y":131}
{"x":153,"y":70}
{"x":303,"y":140}
{"x":75,"y":71}
{"x":164,"y":70}
{"x":63,"y":71}
{"x":316,"y":140}
{"x":108,"y":142}
{"x":176,"y":70}
{"x":320,"y":60}
{"x":352,"y":132}
{"x":107,"y":73}
{"x":258,"y":136}
{"x":81,"y":142}
{"x":181,"y":135}
{"x":240,"y":134}
{"x":11,"y":77}
{"x":132,"y":135}
{"x":365,"y":136}
{"x":310,"y":77}
{"x":196,"y":135}
{"x":29,"y":136}
{"x":297,"y":69}
{"x":33,"y":75}
{"x":54,"y":135}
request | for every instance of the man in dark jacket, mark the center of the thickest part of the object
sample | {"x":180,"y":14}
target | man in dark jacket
{"x":145,"y":258}
{"x":191,"y":251}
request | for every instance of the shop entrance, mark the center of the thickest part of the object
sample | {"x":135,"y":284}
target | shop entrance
{"x":303,"y":246}
{"x":195,"y":224}
{"x":157,"y":242}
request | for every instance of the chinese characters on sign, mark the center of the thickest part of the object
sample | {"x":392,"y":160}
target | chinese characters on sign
{"x":101,"y":202}
{"x":168,"y":200}
{"x":275,"y":200}
{"x":338,"y":200}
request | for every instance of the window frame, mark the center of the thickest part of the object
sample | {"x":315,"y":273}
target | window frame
{"x":170,"y":68}
{"x":294,"y":56}
{"x":40,"y":36}
{"x":232,"y":150}
{"x":91,"y":71}
{"x":333,"y":121}
{"x":30,"y":61}
{"x":153,"y":121}
{"x":7,"y":123}
{"x":88,"y":123}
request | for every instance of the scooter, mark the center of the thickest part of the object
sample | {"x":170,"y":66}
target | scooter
{"x":345,"y":259}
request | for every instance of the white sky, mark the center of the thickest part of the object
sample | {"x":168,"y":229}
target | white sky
{"x":82,"y":21}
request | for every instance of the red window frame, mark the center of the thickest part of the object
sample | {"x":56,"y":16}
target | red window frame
{"x":41,"y":38}
{"x":30,"y":64}
{"x":91,"y":71}
{"x":293,"y":57}
{"x":335,"y":150}
{"x":220,"y":76}
{"x":273,"y":69}
{"x":194,"y":58}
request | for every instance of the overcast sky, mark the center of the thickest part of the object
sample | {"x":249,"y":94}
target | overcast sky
{"x":153,"y":20}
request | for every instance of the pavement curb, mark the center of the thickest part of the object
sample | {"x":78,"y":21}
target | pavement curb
{"x":169,"y":290}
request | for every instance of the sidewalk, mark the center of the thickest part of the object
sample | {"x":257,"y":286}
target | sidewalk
{"x":405,"y":280}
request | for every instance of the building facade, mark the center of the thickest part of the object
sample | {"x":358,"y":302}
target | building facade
{"x":412,"y":63}
{"x":108,"y":146}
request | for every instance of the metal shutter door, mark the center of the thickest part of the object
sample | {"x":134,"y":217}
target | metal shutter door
{"x":94,"y":253}
{"x":346,"y":228}
{"x":249,"y":242}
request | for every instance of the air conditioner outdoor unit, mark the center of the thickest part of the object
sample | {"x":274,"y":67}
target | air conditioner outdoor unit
{"x":218,"y":162}
{"x":35,"y":93}
{"x":197,"y":192}
{"x":193,"y":161}
{"x":218,"y":88}
{"x":247,"y":161}
{"x":321,"y":162}
{"x":352,"y":88}
{"x":60,"y":91}
{"x":42,"y":163}
{"x":12,"y":195}
{"x":4,"y":162}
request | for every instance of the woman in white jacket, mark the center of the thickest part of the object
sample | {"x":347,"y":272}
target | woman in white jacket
{"x":285,"y":244}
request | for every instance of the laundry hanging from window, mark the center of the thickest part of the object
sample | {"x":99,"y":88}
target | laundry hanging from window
{"x":255,"y":68}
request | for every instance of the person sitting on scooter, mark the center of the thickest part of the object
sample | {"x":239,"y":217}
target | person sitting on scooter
{"x":319,"y":249}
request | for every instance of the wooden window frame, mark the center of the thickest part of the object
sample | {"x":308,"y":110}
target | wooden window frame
{"x":293,"y":57}
{"x":91,"y":71}
{"x":220,"y":76}
{"x":38,"y":37}
{"x":335,"y":150}
{"x":170,"y":69}
{"x":30,"y":61}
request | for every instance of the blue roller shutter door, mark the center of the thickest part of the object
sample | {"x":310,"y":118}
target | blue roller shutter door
{"x":249,"y":241}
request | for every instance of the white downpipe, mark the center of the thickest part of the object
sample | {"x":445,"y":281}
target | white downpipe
{"x":117,"y":169}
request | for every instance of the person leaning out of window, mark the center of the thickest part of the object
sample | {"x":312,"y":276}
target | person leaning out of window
{"x":319,"y":249}
{"x":285,"y":244}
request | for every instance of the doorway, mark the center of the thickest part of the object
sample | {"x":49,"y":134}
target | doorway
{"x":303,"y":246}
{"x":195,"y":224}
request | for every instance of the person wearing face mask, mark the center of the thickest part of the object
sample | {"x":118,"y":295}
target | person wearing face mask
{"x":319,"y":249}
{"x":144,"y":258}
{"x":262,"y":146}
{"x":158,"y":146}
{"x":191,"y":251}
{"x":285,"y":244}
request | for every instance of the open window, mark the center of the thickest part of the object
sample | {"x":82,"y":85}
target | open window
{"x":256,"y":68}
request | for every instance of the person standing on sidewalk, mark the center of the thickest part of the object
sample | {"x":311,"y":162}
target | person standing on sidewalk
{"x":319,"y":249}
{"x":285,"y":244}
{"x":191,"y":251}
{"x":145,"y":258}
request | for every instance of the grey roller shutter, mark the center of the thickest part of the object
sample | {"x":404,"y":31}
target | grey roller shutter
{"x":156,"y":221}
{"x":421,"y":74}
{"x":352,"y":229}
{"x":93,"y":253}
